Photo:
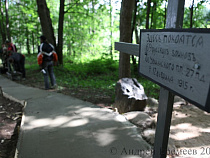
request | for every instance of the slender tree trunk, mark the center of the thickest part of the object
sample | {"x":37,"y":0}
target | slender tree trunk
{"x":133,"y":28}
{"x":93,"y":19}
{"x":165,"y":14}
{"x":33,"y":48}
{"x":153,"y":17}
{"x":125,"y":36}
{"x":45,"y":20}
{"x":151,"y":20}
{"x":3,"y":35}
{"x":27,"y":42}
{"x":191,"y":14}
{"x":7,"y":20}
{"x":137,"y":36}
{"x":134,"y":19}
{"x":60,"y":32}
{"x":2,"y":26}
{"x":148,"y":12}
{"x":111,"y":24}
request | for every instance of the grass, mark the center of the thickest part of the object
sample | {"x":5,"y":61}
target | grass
{"x":99,"y":74}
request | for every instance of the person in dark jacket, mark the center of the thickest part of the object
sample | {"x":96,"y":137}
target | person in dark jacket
{"x":10,"y":47}
{"x":46,"y":50}
{"x":17,"y":60}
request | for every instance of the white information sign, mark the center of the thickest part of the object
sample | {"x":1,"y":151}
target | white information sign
{"x":179,"y":60}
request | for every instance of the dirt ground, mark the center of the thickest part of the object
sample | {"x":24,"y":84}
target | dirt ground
{"x":189,"y":134}
{"x":10,"y":119}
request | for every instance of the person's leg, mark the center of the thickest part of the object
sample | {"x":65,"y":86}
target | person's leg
{"x":22,"y":67}
{"x":10,"y":66}
{"x":46,"y":81}
{"x":52,"y":75}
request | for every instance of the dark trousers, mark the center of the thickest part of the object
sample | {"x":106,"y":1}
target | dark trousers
{"x":20,"y":66}
{"x":48,"y":67}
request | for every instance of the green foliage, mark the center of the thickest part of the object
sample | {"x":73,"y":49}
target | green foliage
{"x":87,"y":25}
{"x":95,"y":74}
{"x":151,"y":89}
{"x":87,"y":37}
{"x":158,"y":14}
{"x":200,"y":16}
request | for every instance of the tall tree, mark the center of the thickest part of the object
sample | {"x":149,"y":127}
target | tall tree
{"x":134,"y":19}
{"x":134,"y":27}
{"x":45,"y":20}
{"x":7,"y":20}
{"x":165,"y":13}
{"x":28,"y":41}
{"x":111,"y":24}
{"x":154,"y":15}
{"x":148,"y":13}
{"x":191,"y":14}
{"x":125,"y":36}
{"x":2,"y":26}
{"x":60,"y":32}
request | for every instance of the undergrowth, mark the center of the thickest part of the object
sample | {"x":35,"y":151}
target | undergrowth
{"x":97,"y":74}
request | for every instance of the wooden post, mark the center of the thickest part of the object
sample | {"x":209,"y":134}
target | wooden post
{"x":175,"y":12}
{"x":165,"y":108}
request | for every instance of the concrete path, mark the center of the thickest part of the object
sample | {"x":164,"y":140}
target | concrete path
{"x":59,"y":126}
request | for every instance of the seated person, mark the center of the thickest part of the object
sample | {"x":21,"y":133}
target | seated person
{"x":18,"y":62}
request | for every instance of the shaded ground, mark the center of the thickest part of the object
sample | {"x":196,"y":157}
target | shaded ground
{"x":10,"y":119}
{"x":10,"y":110}
{"x":95,"y":96}
{"x":190,"y":131}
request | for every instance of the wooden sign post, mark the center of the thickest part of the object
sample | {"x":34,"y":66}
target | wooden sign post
{"x":167,"y":98}
{"x":175,"y":12}
{"x":178,"y":60}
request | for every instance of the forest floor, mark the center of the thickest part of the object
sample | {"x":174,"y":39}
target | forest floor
{"x":10,"y":119}
{"x":189,"y":134}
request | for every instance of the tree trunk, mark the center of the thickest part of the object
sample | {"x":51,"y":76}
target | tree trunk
{"x":60,"y":32}
{"x":165,"y":15}
{"x":133,"y":28}
{"x":7,"y":20}
{"x":148,"y":12}
{"x":2,"y":26}
{"x":3,"y":35}
{"x":154,"y":17}
{"x":27,"y":41}
{"x":111,"y":24}
{"x":137,"y":36}
{"x":134,"y":19}
{"x":191,"y":14}
{"x":33,"y":41}
{"x":125,"y":36}
{"x":46,"y":22}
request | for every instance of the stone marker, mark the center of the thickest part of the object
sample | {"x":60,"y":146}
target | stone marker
{"x":130,"y":95}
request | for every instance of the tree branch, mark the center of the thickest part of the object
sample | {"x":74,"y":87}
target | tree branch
{"x":73,"y":12}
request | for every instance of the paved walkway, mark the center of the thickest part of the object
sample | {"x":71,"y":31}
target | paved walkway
{"x":59,"y":126}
